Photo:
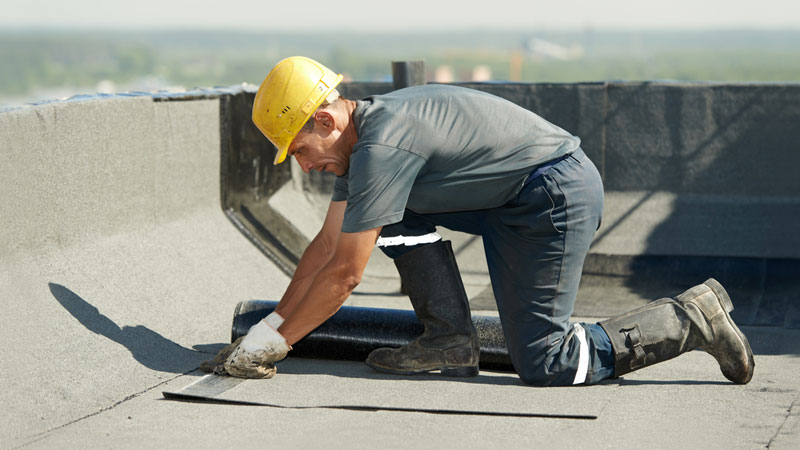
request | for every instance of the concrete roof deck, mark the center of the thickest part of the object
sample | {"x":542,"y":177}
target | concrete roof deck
{"x":684,"y":403}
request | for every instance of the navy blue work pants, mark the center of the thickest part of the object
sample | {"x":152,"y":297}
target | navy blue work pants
{"x":535,"y":248}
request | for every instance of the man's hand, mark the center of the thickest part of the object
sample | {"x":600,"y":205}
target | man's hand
{"x":256,"y":353}
{"x":222,"y":361}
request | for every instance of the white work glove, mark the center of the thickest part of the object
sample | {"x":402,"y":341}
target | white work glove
{"x":274,"y":320}
{"x":217,"y":365}
{"x":260,"y":348}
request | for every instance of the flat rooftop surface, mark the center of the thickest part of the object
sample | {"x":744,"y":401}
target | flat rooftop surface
{"x":683,"y":403}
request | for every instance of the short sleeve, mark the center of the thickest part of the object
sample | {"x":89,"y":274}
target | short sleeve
{"x":339,"y":189}
{"x":379,"y":183}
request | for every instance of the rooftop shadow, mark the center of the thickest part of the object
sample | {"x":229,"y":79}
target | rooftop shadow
{"x":148,"y":347}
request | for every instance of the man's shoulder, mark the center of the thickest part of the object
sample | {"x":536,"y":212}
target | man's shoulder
{"x":431,"y":91}
{"x":402,"y":108}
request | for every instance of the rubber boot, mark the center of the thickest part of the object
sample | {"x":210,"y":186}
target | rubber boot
{"x":450,"y":341}
{"x":698,"y":318}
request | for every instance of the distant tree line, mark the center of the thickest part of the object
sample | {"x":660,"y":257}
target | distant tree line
{"x":34,"y":61}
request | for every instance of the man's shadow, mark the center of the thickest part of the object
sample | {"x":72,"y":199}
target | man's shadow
{"x":149,"y":348}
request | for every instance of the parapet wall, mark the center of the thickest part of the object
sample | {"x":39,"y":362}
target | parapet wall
{"x":689,"y":169}
{"x":74,"y":170}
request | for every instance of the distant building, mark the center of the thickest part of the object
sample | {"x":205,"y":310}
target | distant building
{"x":481,"y":73}
{"x":542,"y":49}
{"x":443,"y":74}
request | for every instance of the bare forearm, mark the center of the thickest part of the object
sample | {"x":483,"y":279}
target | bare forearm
{"x":316,"y":256}
{"x":330,"y":289}
{"x":332,"y":285}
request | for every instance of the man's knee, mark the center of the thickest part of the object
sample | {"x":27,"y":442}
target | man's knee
{"x":534,"y":375}
{"x":529,"y":363}
{"x":560,"y":365}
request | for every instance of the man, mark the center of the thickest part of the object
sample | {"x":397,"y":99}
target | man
{"x":435,"y":155}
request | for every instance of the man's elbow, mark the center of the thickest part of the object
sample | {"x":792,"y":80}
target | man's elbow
{"x":344,"y":279}
{"x":350,"y":281}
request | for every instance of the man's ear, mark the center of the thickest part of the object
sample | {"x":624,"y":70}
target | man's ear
{"x":325,"y":119}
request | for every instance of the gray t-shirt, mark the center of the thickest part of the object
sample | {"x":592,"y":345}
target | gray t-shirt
{"x":439,"y":148}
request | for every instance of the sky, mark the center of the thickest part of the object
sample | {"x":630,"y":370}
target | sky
{"x":398,"y":15}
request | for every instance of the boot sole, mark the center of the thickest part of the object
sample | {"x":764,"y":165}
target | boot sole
{"x":456,"y":372}
{"x":725,"y":300}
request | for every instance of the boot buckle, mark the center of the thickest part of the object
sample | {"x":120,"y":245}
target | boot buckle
{"x":635,"y":339}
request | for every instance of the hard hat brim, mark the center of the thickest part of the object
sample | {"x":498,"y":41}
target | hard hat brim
{"x":280,"y":155}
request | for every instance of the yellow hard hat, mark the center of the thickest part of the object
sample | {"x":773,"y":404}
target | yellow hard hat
{"x":292,"y":91}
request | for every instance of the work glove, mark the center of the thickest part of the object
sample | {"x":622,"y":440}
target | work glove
{"x":252,"y":355}
{"x":256,"y":353}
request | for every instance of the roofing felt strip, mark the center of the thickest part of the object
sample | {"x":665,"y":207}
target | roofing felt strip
{"x":305,"y":383}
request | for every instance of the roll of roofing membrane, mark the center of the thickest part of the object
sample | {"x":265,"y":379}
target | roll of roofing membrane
{"x":353,"y":332}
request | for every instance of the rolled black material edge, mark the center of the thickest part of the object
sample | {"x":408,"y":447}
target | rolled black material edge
{"x":353,"y":332}
{"x":369,"y":408}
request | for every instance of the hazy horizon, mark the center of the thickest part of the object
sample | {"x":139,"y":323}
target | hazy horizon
{"x":59,"y":62}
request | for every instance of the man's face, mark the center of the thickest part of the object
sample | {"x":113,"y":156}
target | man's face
{"x":318,"y":150}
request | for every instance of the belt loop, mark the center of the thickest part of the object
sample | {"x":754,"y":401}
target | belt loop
{"x":541,"y":169}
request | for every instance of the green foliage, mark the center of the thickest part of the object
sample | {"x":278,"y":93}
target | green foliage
{"x":31,"y":63}
{"x":80,"y":60}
